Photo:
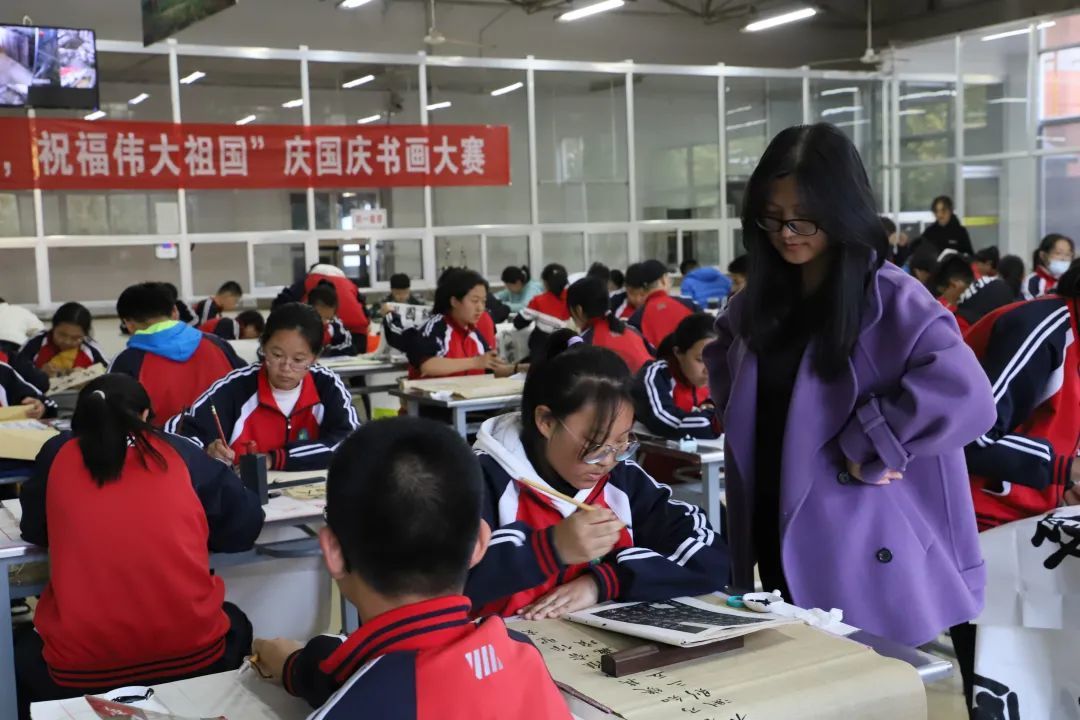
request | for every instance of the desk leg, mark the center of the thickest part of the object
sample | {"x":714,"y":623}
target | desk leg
{"x":9,"y":710}
{"x":711,"y":487}
{"x":460,"y":425}
{"x":412,"y":407}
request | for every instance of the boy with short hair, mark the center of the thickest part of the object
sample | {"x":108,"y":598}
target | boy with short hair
{"x":226,"y":300}
{"x":248,"y":325}
{"x":738,"y":270}
{"x":403,"y":528}
{"x":658,"y":312}
{"x":174,"y":362}
{"x":337,"y":341}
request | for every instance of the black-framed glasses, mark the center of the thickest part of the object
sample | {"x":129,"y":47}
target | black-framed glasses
{"x":799,"y":226}
{"x":595,"y":454}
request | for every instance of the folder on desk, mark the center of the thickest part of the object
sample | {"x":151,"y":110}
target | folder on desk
{"x":23,"y":439}
{"x":472,"y":387}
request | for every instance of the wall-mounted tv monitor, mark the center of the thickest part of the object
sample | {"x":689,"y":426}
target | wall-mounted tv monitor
{"x":48,"y":67}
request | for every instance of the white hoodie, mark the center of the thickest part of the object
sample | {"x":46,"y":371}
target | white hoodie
{"x":17,"y":324}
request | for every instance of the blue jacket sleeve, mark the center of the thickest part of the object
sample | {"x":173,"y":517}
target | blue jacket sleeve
{"x":675,"y":550}
{"x":655,"y":408}
{"x":232,"y":510}
{"x":19,"y":389}
{"x":1024,"y":352}
{"x":34,"y":525}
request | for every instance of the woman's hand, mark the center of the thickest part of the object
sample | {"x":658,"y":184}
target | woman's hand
{"x":855,"y":470}
{"x":35,"y":409}
{"x":272,"y":655}
{"x":220,"y":451}
{"x":586,"y":535}
{"x":575,"y":595}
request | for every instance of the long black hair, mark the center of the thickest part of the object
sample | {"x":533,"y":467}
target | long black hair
{"x":1011,"y":270}
{"x":565,"y":378}
{"x":591,"y":295}
{"x":691,"y":330}
{"x":107,"y":418}
{"x":513,"y":274}
{"x":74,"y":314}
{"x":455,"y":283}
{"x":295,"y":316}
{"x":555,"y":278}
{"x":835,"y":192}
{"x":1046,"y":245}
{"x":1069,"y":284}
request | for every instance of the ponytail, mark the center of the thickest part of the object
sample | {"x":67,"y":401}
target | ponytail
{"x":590,"y":295}
{"x":107,"y":419}
{"x":555,"y":278}
{"x":691,"y":330}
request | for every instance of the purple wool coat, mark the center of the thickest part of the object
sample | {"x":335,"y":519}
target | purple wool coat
{"x":902,"y":560}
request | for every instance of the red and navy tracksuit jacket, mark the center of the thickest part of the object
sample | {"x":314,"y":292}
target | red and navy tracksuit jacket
{"x":1038,"y":283}
{"x":14,"y":388}
{"x":205,"y":311}
{"x":620,"y":305}
{"x":628,"y":344}
{"x":350,"y":301}
{"x":660,"y":314}
{"x":40,"y":349}
{"x":253,"y":423}
{"x":1021,"y":466}
{"x":337,"y":340}
{"x":440,"y":336}
{"x":672,"y":408}
{"x":543,"y":310}
{"x":131,"y":598}
{"x":666,"y":550}
{"x":426,"y":661}
{"x":225,"y":328}
{"x":174,"y":384}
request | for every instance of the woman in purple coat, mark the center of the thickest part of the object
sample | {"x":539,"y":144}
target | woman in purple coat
{"x":847,"y":396}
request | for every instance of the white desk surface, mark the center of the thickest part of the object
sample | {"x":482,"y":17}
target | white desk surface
{"x":237,"y":697}
{"x":484,"y":403}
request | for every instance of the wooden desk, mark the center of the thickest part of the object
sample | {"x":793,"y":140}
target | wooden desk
{"x":709,"y":456}
{"x":458,"y":408}
{"x":280,"y":512}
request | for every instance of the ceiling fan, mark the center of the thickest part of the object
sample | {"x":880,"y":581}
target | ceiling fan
{"x":870,"y":56}
{"x":434,"y":38}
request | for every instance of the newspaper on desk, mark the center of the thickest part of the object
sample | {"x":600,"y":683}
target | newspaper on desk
{"x":75,"y":380}
{"x":410,"y":315}
{"x":793,"y":671}
{"x":686,"y":621}
{"x":469,"y":387}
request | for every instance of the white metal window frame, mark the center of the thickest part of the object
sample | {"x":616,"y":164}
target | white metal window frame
{"x":534,"y":230}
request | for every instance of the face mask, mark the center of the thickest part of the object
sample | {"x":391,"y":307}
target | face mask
{"x":1058,"y":268}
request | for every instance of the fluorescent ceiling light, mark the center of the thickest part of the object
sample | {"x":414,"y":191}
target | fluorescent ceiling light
{"x":193,"y":77}
{"x":749,"y":123}
{"x":841,"y":110}
{"x":1007,"y":101}
{"x":369,"y":119}
{"x":742,"y":109}
{"x":839,"y":91}
{"x":853,"y":123}
{"x":913,"y":111}
{"x":790,"y":17}
{"x":352,"y":4}
{"x":299,"y":102}
{"x":358,"y":82}
{"x":138,"y":99}
{"x":928,"y":94}
{"x":246,"y":120}
{"x":588,"y":10}
{"x":1044,"y":25}
{"x":96,"y":115}
{"x":1006,"y":34}
{"x":439,"y":105}
{"x":508,"y":89}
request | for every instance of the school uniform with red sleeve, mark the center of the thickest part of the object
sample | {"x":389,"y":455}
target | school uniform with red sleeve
{"x":225,"y":328}
{"x":1038,"y":283}
{"x":666,"y":550}
{"x":175,"y":363}
{"x":672,"y":408}
{"x":40,"y":349}
{"x":549,"y":312}
{"x":14,"y":389}
{"x":628,"y":344}
{"x":660,"y":314}
{"x":205,"y":311}
{"x":337,"y":341}
{"x":620,"y":305}
{"x":303,"y":435}
{"x":1022,"y":466}
{"x":441,"y":336}
{"x":131,"y":598}
{"x":426,"y":661}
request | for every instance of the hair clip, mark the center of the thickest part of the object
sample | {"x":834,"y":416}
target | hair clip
{"x":99,"y":392}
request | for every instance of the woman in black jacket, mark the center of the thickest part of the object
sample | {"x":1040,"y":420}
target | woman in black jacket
{"x":947,"y":233}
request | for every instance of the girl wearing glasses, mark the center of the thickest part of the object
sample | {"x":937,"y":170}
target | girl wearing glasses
{"x":847,"y":397}
{"x":286,"y":406}
{"x":547,"y":557}
{"x":671,"y":394}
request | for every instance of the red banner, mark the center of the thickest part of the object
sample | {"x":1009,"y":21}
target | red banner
{"x":81,"y":155}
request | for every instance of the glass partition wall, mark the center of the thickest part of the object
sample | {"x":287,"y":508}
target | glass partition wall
{"x":609,"y":162}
